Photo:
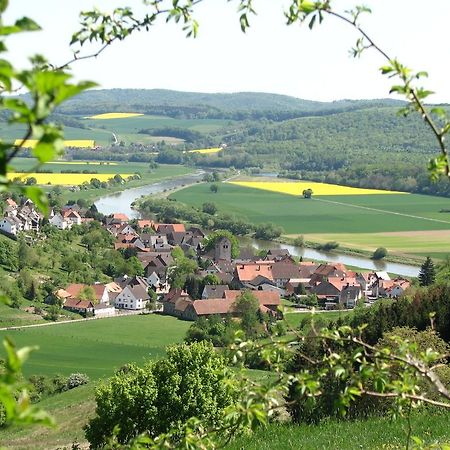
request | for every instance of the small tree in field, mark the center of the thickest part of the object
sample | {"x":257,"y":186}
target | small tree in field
{"x":214,"y":188}
{"x":427,"y":273}
{"x":379,"y":253}
{"x":307,"y":193}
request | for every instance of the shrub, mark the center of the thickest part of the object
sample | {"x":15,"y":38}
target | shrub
{"x":379,"y":253}
{"x":162,"y":395}
{"x":77,"y":379}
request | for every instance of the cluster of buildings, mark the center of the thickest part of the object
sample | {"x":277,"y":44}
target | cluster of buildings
{"x":276,"y":275}
{"x":25,"y":217}
{"x":20,"y":217}
{"x":271,"y":278}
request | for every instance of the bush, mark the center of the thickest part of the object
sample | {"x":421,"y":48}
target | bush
{"x":76,"y":379}
{"x":162,"y":395}
{"x":379,"y":253}
{"x":332,"y":245}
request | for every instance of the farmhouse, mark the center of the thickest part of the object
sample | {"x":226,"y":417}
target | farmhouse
{"x":134,"y":295}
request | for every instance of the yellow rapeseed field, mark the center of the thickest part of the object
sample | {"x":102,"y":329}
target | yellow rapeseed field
{"x":297,"y":187}
{"x":106,"y":116}
{"x":81,"y":143}
{"x":206,"y":151}
{"x":70,"y":179}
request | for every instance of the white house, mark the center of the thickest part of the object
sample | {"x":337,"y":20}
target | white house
{"x":59,"y":222}
{"x":133,"y":297}
{"x":10,"y":225}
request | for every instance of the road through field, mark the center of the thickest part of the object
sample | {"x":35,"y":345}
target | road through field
{"x":381,"y":210}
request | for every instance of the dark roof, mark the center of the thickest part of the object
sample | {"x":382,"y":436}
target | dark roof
{"x":214,"y":291}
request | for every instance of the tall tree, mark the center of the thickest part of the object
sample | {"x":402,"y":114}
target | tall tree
{"x":427,"y":273}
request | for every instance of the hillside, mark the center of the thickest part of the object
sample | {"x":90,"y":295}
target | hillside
{"x":202,"y":105}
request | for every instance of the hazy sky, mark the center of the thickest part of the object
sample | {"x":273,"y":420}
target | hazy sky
{"x":271,"y":57}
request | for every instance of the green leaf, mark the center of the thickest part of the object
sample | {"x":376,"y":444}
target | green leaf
{"x":3,"y":5}
{"x":27,"y":24}
{"x":37,"y":195}
{"x":21,"y":25}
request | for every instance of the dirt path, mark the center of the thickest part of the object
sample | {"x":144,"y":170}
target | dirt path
{"x":382,"y":211}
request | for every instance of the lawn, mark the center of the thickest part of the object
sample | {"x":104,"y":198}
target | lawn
{"x":11,"y":317}
{"x":373,"y":433}
{"x":127,"y":128}
{"x":333,"y":215}
{"x":97,"y":347}
{"x":101,"y":137}
{"x":295,"y":318}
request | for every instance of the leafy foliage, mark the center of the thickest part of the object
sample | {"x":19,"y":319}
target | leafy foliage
{"x":163,"y":395}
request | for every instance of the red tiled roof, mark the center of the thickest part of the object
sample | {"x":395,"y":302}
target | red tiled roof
{"x":170,"y":227}
{"x":74,"y":289}
{"x":80,"y":304}
{"x":264,"y":297}
{"x":225,"y":305}
{"x":248,"y":272}
{"x":145,"y":223}
{"x":120,"y":216}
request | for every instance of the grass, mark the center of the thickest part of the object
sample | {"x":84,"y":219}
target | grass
{"x":373,"y":433}
{"x":26,"y":164}
{"x":361,"y":217}
{"x":294,"y":319}
{"x":127,"y":129}
{"x":297,"y":187}
{"x":97,"y":347}
{"x":11,"y":317}
{"x":72,"y":409}
{"x":420,"y":243}
{"x":101,"y":137}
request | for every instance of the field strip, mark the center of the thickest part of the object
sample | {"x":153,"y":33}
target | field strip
{"x":381,"y":211}
{"x":63,"y":322}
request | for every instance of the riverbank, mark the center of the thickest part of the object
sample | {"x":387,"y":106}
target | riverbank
{"x":163,"y":172}
{"x":400,"y":259}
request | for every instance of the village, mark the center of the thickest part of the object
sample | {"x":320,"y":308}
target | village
{"x":271,"y":275}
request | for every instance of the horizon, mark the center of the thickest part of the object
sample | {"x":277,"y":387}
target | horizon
{"x":270,"y":58}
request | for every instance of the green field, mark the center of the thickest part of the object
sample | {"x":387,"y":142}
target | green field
{"x":357,"y":216}
{"x":101,"y":137}
{"x":374,"y":433}
{"x":162,"y":172}
{"x":25,"y":164}
{"x":97,"y":347}
{"x":127,"y":129}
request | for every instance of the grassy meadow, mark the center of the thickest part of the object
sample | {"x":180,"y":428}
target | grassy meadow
{"x":364,"y":218}
{"x":371,"y":434}
{"x":127,"y":128}
{"x":97,"y":347}
{"x":104,"y":169}
{"x":101,"y":137}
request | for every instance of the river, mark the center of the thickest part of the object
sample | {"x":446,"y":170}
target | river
{"x":121,"y":202}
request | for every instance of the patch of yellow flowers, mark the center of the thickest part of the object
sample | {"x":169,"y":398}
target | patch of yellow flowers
{"x":118,"y":115}
{"x":297,"y":188}
{"x":81,"y":143}
{"x":69,"y":179}
{"x":206,"y":151}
